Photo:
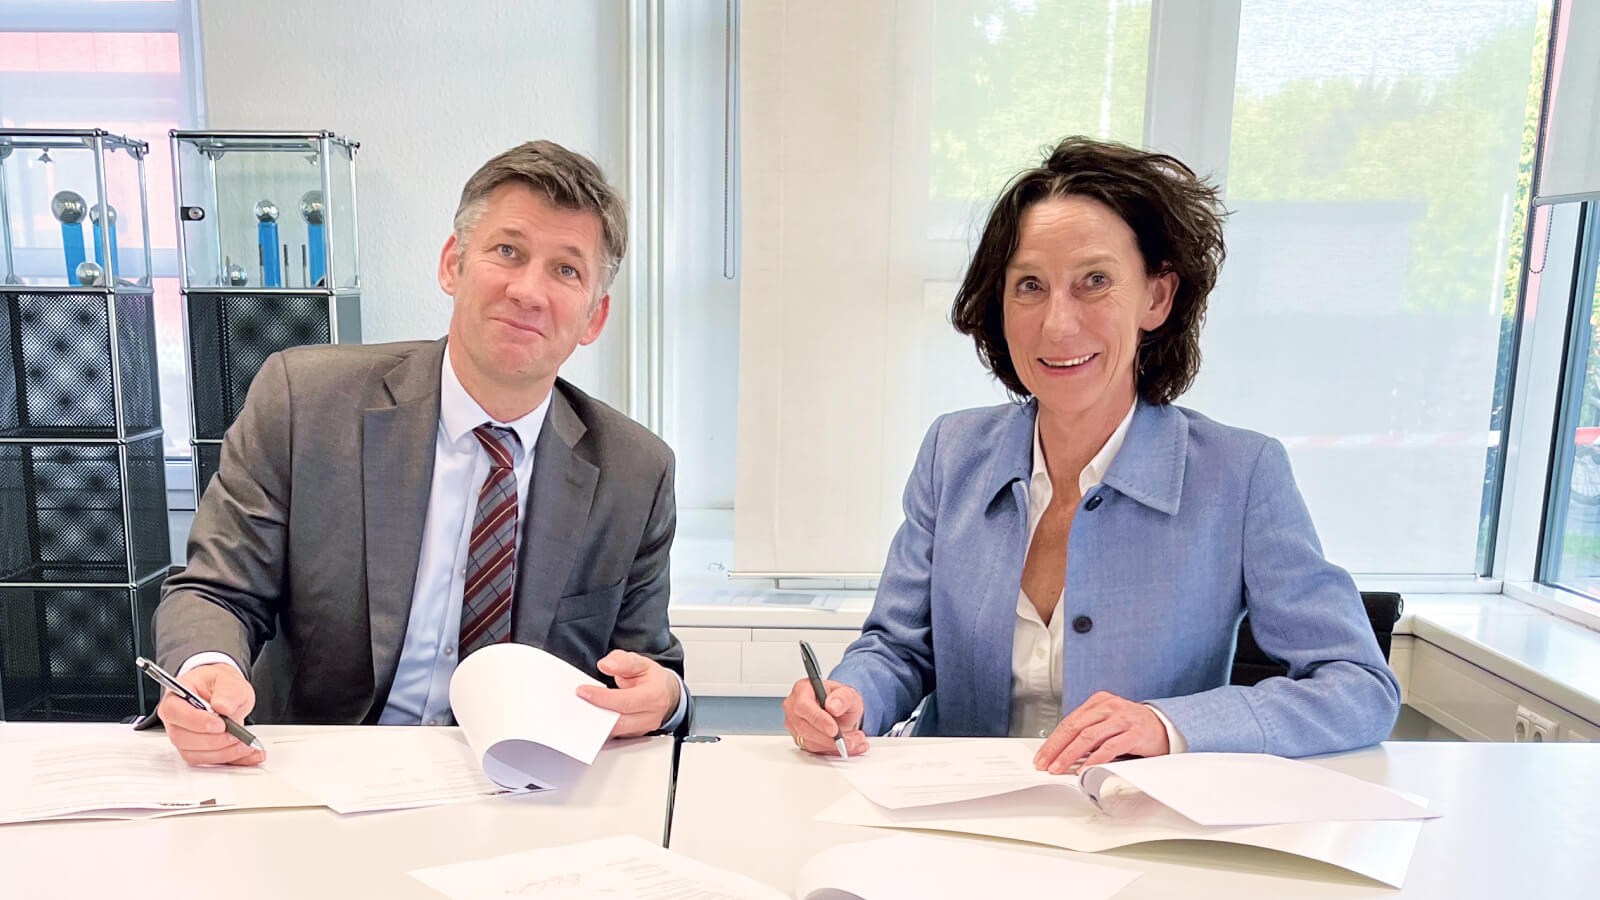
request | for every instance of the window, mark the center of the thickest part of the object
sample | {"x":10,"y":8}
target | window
{"x":129,"y":70}
{"x":1378,"y":174}
{"x":1378,"y":159}
{"x":1573,"y":535}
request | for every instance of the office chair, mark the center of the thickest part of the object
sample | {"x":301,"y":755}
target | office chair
{"x":1251,"y":664}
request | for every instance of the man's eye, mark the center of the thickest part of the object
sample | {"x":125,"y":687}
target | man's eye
{"x":569,"y":272}
{"x":506,"y":250}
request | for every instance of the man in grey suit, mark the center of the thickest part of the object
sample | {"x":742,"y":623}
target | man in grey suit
{"x":381,"y":511}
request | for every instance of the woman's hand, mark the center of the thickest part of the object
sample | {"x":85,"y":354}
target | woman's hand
{"x":1102,"y":729}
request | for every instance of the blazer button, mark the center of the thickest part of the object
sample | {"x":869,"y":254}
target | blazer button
{"x":1082,"y":624}
{"x":1094,"y":503}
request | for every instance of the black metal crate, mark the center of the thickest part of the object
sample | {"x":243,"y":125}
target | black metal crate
{"x":63,"y":518}
{"x":66,"y":653}
{"x":56,"y":355}
{"x":230,"y":337}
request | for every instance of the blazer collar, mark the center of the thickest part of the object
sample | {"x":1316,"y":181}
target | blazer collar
{"x":1012,"y":459}
{"x":1148,"y":468}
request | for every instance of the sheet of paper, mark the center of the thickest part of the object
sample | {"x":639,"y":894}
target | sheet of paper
{"x":520,"y":711}
{"x":126,"y":776}
{"x":1255,"y":789}
{"x":623,"y":866}
{"x":1378,"y":850}
{"x":374,"y":769}
{"x":905,"y":774}
{"x":933,"y":868}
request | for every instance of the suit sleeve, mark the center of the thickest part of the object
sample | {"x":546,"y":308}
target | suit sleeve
{"x":228,"y":596}
{"x":642,"y":621}
{"x":891,"y":664}
{"x":1305,"y":612}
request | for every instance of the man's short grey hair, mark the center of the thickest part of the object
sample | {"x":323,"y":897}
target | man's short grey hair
{"x":568,"y":180}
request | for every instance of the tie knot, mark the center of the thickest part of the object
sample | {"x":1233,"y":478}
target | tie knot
{"x":498,"y":442}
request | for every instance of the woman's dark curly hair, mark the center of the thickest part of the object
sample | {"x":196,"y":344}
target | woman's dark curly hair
{"x":1176,"y":218}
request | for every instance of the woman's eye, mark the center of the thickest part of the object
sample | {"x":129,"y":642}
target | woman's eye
{"x":1027,"y":285}
{"x":1097,"y":280}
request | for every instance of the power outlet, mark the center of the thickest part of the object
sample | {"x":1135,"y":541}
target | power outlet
{"x":1530,"y":727}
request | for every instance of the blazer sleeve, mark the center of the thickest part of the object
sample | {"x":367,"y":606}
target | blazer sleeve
{"x":642,"y":620}
{"x":228,"y":596}
{"x":891,"y":664}
{"x":1305,"y":612}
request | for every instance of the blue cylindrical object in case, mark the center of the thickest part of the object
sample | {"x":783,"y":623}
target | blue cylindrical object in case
{"x":99,"y":251}
{"x":72,"y":244}
{"x":319,"y":254}
{"x":271,"y":271}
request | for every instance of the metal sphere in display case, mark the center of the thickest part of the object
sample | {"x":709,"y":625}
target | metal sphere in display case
{"x":237,"y":276}
{"x":68,"y":207}
{"x":311,"y":207}
{"x":111,"y":213}
{"x":266,"y":211}
{"x":89,"y":274}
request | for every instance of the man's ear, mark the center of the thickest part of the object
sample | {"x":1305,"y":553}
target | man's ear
{"x":450,"y":264}
{"x":597,"y":320}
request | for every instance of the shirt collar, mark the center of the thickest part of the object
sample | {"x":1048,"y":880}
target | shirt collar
{"x":459,"y":413}
{"x":1095,"y":471}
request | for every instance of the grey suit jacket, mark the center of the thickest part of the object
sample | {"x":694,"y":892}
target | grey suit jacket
{"x":304,"y":549}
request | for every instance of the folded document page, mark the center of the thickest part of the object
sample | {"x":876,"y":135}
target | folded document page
{"x":371,"y":769}
{"x":127,"y":776}
{"x":520,"y":711}
{"x":1207,"y":788}
{"x":1104,"y":810}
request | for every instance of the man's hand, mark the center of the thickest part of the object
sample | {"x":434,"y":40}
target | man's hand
{"x":646,"y":693}
{"x":814,"y":727}
{"x":199,"y":735}
{"x":1102,"y":729}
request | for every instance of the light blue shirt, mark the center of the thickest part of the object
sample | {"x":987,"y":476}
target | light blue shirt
{"x":421,"y":690}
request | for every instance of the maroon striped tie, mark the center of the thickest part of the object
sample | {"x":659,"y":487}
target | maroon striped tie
{"x":492,"y":549}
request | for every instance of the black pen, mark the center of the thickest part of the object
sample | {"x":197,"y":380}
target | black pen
{"x":163,"y":678}
{"x":815,"y":675}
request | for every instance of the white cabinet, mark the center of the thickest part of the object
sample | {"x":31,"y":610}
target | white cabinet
{"x":1480,"y":705}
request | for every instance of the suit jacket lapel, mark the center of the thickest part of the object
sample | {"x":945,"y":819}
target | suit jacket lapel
{"x":560,"y":494}
{"x":397,"y":450}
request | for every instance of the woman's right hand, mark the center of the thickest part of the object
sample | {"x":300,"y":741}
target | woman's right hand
{"x":814,"y":728}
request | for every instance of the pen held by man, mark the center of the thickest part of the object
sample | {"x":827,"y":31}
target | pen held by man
{"x":201,"y":737}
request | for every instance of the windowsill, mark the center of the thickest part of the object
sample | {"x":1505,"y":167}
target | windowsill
{"x":1544,"y":653}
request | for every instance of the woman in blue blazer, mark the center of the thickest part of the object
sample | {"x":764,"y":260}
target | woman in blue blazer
{"x":1075,"y":565}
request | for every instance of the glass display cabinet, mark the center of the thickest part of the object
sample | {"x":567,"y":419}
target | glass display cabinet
{"x":269,"y":258}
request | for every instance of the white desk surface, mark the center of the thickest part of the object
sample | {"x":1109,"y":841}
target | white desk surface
{"x":1520,"y":820}
{"x":311,"y":853}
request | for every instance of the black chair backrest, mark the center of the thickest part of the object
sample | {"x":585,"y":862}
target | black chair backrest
{"x":1251,"y":665}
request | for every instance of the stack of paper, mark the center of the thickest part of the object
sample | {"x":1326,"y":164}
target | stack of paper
{"x":124,"y":777}
{"x":628,"y":866}
{"x":990,"y":787}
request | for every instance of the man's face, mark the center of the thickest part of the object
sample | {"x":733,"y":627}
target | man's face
{"x":526,"y":286}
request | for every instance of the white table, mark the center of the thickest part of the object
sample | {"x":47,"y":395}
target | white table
{"x":303,"y":854}
{"x":1520,"y":820}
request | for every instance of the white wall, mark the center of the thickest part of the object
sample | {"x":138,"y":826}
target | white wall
{"x":431,"y":90}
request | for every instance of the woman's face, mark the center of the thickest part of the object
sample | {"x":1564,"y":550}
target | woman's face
{"x":1076,"y":302}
